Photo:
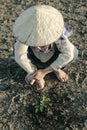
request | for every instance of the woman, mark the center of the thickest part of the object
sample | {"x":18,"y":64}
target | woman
{"x":43,"y":45}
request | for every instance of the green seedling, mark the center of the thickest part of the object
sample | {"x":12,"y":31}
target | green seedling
{"x":43,"y":104}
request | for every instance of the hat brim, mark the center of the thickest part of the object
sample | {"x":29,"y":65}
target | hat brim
{"x":39,"y":25}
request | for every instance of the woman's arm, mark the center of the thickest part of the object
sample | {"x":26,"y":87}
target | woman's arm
{"x":66,"y":55}
{"x":20,"y":51}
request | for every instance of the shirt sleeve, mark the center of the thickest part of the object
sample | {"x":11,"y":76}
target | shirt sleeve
{"x":66,"y":49}
{"x":20,"y":52}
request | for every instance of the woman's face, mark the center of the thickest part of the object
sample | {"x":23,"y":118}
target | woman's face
{"x":43,"y":49}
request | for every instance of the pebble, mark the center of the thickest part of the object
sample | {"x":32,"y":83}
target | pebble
{"x":84,"y":128}
{"x":67,"y":128}
{"x":1,"y":126}
{"x":85,"y":123}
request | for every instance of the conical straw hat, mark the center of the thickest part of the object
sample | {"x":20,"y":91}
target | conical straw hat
{"x":39,"y":25}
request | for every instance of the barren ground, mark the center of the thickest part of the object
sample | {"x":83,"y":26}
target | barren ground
{"x":67,"y":109}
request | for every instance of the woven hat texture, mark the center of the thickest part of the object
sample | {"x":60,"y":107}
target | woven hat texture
{"x":39,"y":25}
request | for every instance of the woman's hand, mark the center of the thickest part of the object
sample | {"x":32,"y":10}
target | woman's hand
{"x":36,"y":77}
{"x":61,"y":75}
{"x":30,"y":79}
{"x":39,"y":75}
{"x":41,"y":84}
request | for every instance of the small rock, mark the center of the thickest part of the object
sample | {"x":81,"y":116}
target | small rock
{"x":76,"y":129}
{"x":85,"y":124}
{"x":49,"y":113}
{"x":1,"y":125}
{"x":84,"y":128}
{"x":86,"y":62}
{"x":67,"y":128}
